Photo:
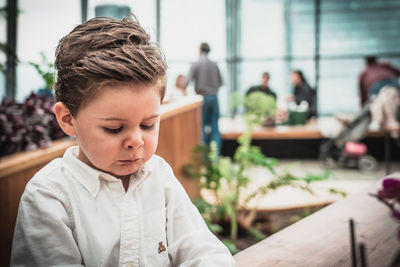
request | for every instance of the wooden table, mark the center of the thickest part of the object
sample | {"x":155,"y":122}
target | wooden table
{"x":310,"y":134}
{"x":232,"y":128}
{"x":322,"y":239}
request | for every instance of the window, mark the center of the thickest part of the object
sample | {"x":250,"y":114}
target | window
{"x":186,"y":24}
{"x":41,"y":24}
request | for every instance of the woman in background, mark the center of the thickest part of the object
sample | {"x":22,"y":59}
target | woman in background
{"x":303,"y":92}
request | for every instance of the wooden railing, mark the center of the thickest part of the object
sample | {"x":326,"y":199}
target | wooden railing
{"x":323,"y":238}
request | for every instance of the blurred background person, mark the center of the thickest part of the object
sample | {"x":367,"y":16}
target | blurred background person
{"x":303,"y":92}
{"x":176,"y":92}
{"x":179,"y":85}
{"x":207,"y":80}
{"x":263,"y":87}
{"x":379,"y":83}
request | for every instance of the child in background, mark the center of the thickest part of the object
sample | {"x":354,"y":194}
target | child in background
{"x":110,"y":201}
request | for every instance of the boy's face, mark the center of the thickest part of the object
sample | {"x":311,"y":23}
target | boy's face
{"x":117,"y":131}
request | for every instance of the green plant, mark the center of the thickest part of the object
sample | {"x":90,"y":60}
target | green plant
{"x":46,"y":70}
{"x":226,"y":178}
{"x":261,"y":104}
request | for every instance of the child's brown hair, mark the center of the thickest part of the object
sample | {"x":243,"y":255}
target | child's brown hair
{"x":103,"y":52}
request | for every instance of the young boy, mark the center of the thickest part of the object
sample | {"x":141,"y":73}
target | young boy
{"x":110,"y":201}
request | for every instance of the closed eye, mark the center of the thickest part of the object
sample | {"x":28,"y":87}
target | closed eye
{"x":113,"y":130}
{"x":148,"y":127}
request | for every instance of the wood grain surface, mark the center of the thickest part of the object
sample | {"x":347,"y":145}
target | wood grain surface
{"x":323,"y":239}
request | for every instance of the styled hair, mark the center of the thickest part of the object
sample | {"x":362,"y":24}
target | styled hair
{"x":301,"y":75}
{"x":105,"y":52}
{"x":204,"y":47}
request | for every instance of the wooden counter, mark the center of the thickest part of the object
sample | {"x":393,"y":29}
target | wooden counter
{"x":323,"y":239}
{"x":180,"y":130}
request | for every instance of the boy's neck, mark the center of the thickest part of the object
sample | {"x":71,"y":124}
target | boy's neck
{"x":125,"y":182}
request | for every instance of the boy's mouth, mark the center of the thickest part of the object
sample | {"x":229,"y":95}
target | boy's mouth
{"x":128,"y":161}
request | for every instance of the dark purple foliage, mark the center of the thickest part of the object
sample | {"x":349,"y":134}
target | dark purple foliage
{"x":29,"y":125}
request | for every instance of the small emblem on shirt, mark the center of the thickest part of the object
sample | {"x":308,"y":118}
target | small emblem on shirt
{"x":161,"y":247}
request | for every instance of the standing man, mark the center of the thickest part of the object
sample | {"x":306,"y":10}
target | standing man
{"x":207,"y":81}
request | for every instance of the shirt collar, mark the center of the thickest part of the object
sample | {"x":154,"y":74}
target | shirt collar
{"x":90,"y":177}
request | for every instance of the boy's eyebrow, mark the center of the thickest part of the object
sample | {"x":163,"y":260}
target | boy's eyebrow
{"x":153,"y":116}
{"x":120,"y":119}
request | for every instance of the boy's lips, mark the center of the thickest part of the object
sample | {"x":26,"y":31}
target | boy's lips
{"x":129,"y":161}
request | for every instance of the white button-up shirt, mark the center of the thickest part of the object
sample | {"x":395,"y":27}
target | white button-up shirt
{"x":73,"y":215}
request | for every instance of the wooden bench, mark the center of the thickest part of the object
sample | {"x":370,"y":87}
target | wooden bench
{"x":323,"y":238}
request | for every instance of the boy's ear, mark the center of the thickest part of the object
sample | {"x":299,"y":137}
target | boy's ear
{"x":64,"y":118}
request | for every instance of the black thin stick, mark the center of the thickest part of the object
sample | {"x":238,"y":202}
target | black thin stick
{"x":353,"y":244}
{"x":362,"y":255}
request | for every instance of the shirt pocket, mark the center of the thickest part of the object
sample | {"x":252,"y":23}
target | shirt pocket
{"x":155,"y":238}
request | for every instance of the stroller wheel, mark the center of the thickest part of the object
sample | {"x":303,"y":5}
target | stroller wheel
{"x":367,"y":163}
{"x":329,"y":163}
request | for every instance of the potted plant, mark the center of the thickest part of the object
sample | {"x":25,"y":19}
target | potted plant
{"x":27,"y":126}
{"x":46,"y":70}
{"x":226,"y":179}
{"x":261,"y":105}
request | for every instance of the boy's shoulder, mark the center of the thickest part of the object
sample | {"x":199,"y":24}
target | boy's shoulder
{"x":50,"y":171}
{"x":159,"y":165}
{"x":157,"y":161}
{"x":50,"y":176}
{"x":160,"y":168}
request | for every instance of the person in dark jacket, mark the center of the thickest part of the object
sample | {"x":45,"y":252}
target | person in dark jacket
{"x":303,"y":92}
{"x":263,"y":87}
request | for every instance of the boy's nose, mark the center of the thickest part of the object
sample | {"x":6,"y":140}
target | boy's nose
{"x":134,"y":141}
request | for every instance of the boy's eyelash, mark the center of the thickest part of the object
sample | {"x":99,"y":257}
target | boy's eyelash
{"x":112,"y":130}
{"x":117,"y":130}
{"x":148,"y":127}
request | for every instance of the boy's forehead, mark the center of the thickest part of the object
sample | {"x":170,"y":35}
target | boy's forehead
{"x":116,"y":88}
{"x":119,"y":102}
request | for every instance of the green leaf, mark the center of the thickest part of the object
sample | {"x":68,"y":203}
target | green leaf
{"x":46,"y":70}
{"x":310,"y":177}
{"x":215,"y":228}
{"x":337,"y":192}
{"x":231,"y":246}
{"x":257,"y":234}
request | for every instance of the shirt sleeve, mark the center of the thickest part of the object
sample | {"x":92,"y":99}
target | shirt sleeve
{"x":43,"y":232}
{"x":190,"y":242}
